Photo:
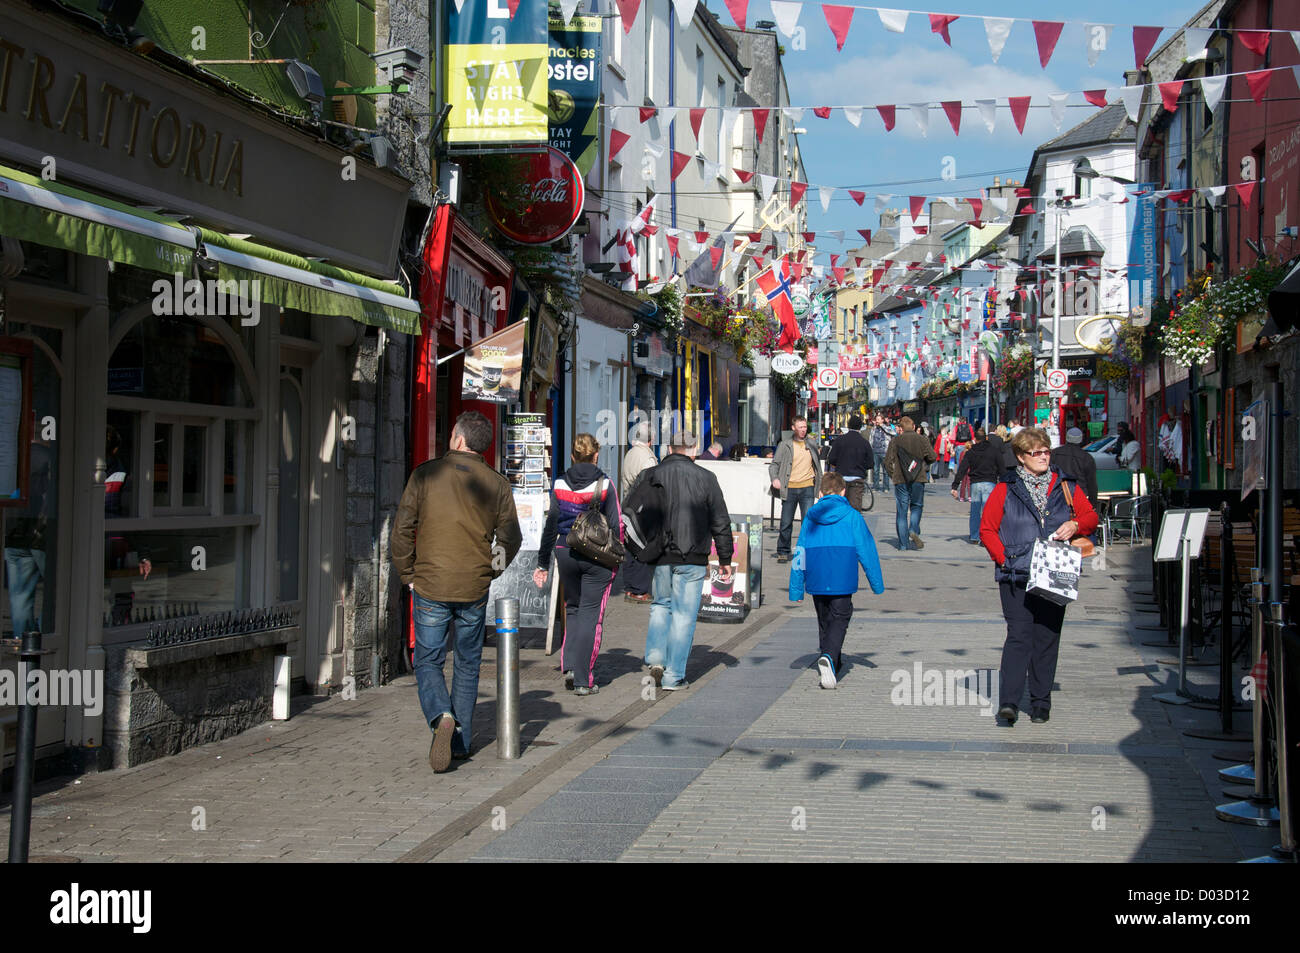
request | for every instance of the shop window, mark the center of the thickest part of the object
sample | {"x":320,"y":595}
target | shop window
{"x":178,"y":496}
{"x":46,"y":266}
{"x":176,"y":359}
{"x":167,"y":573}
{"x":295,"y":324}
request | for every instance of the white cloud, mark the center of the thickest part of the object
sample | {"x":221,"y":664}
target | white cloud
{"x":915,"y":74}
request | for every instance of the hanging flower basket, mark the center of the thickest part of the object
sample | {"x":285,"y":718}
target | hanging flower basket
{"x":1212,"y":308}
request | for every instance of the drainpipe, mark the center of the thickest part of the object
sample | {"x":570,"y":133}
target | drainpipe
{"x":672,"y":101}
{"x":380,"y":385}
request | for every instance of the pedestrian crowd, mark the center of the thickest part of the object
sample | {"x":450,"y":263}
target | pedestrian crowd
{"x":457,"y":530}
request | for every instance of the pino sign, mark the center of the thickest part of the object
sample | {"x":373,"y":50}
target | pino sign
{"x":786,"y":363}
{"x":546,"y":202}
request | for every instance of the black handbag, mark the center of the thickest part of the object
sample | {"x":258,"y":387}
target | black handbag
{"x":590,"y":535}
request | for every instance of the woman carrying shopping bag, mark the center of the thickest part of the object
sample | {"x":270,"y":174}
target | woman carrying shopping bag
{"x":1030,"y":504}
{"x":586,"y":582}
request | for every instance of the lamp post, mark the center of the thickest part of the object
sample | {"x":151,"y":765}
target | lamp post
{"x":1061,"y":204}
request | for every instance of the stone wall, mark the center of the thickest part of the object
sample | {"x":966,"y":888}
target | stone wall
{"x":186,"y":695}
{"x":387,"y":438}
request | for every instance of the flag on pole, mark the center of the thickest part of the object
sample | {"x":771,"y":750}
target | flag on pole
{"x":774,"y":282}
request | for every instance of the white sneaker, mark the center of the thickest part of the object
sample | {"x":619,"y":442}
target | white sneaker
{"x":827,"y":671}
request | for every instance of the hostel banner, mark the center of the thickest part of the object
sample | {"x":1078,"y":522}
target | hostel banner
{"x":496,"y":73}
{"x":574,"y":89}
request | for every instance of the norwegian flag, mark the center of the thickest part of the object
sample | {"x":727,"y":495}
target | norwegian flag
{"x":774,"y":282}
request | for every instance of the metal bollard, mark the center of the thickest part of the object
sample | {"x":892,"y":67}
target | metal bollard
{"x":20,"y":827}
{"x":507,"y":678}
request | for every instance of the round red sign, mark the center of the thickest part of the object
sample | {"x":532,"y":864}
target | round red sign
{"x":547,"y":200}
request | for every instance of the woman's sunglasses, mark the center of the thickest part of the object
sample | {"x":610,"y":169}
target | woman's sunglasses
{"x":1038,"y":453}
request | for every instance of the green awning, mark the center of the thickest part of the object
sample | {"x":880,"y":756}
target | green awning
{"x":49,"y":213}
{"x":289,"y":281}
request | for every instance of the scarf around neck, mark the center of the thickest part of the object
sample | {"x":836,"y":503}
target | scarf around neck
{"x":1037,"y":486}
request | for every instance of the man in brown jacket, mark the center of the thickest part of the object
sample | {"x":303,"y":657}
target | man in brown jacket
{"x":443,"y":548}
{"x":910,"y":473}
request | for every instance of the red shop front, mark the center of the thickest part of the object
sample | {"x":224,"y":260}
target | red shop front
{"x":465,"y":295}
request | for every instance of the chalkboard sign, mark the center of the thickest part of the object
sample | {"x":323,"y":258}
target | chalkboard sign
{"x":517,"y":582}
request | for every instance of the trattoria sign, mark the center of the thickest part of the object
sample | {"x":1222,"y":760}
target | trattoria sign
{"x":54,"y":93}
{"x":86,"y":112}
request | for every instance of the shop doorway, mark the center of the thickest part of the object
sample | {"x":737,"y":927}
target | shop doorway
{"x":37,"y":537}
{"x":297,"y":534}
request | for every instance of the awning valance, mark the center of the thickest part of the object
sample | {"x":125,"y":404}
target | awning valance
{"x":49,"y":213}
{"x":289,"y":281}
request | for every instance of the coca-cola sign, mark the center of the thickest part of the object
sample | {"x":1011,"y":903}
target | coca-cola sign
{"x":545,"y":199}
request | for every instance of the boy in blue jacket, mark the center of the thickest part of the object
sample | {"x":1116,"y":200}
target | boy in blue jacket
{"x":833,"y":541}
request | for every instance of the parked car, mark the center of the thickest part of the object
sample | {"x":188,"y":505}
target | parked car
{"x":1104,"y":452}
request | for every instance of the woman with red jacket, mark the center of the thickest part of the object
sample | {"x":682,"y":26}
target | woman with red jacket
{"x":1028,"y":504}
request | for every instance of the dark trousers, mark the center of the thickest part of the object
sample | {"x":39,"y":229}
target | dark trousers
{"x":853,"y":493}
{"x":802,"y":497}
{"x":1033,"y":642}
{"x":637,"y":576}
{"x":586,"y":591}
{"x":833,"y":615}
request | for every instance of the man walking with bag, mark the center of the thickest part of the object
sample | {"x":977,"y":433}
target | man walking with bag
{"x":636,"y":574}
{"x":442,"y":547}
{"x":693,"y":520}
{"x":907,"y":462}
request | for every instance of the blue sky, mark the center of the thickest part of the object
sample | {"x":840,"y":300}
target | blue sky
{"x":877,"y":66}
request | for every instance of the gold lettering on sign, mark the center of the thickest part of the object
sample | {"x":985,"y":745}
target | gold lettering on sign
{"x":165,"y":113}
{"x":111,"y":94}
{"x":235,"y":167}
{"x":166,"y":125}
{"x":212,"y":164}
{"x":192,"y":159}
{"x":36,"y":96}
{"x":77,"y":106}
{"x":137,"y":103}
{"x":12,"y":52}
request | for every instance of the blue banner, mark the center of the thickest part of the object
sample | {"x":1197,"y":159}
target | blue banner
{"x":1142,"y":249}
{"x":574,"y":80}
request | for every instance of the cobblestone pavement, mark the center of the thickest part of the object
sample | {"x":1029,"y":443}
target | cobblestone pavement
{"x":754,"y":761}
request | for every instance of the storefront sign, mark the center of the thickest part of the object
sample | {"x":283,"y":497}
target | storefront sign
{"x":786,"y":363}
{"x":494,"y":367}
{"x":496,"y":73}
{"x":1098,"y":334}
{"x":117,"y":122}
{"x":547,"y":200}
{"x":573,"y":75}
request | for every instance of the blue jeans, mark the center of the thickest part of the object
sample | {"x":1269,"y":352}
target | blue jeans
{"x":678,"y":591}
{"x":979,"y":492}
{"x":879,"y":478}
{"x":433,"y":622}
{"x":909,"y":496}
{"x":25,"y":568}
{"x":803,"y":498}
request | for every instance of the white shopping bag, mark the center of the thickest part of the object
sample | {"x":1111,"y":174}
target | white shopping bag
{"x":1054,"y":570}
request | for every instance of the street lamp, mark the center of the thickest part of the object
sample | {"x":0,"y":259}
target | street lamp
{"x":1061,"y":204}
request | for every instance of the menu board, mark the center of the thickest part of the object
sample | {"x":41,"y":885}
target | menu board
{"x":528,"y":453}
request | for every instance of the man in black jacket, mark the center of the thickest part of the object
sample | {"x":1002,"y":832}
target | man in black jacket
{"x":983,"y":464}
{"x":851,"y":458}
{"x":696,"y":521}
{"x":1076,"y":463}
